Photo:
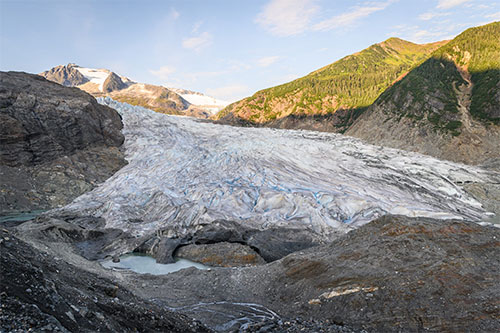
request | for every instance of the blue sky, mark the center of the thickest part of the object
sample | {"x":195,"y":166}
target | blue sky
{"x":226,"y":48}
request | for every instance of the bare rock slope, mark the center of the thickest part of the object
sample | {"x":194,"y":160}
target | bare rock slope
{"x":56,"y":142}
{"x":40,"y":292}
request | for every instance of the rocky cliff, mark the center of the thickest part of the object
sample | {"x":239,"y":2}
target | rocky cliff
{"x":448,"y":107}
{"x":56,"y":142}
{"x":67,"y":75}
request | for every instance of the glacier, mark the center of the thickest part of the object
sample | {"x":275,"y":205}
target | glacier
{"x":185,"y":172}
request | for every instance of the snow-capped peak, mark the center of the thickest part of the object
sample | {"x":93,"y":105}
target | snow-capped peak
{"x":98,"y":76}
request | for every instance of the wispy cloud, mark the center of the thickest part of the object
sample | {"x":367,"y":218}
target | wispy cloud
{"x":196,"y":27}
{"x":199,"y":42}
{"x":423,"y":36}
{"x":430,"y":15}
{"x":417,"y":34}
{"x":174,"y":13}
{"x":229,"y":93}
{"x":267,"y":61}
{"x":289,"y":77}
{"x":494,"y":16}
{"x":287,"y":17}
{"x":446,"y":4}
{"x":352,"y":16}
{"x":163,"y":72}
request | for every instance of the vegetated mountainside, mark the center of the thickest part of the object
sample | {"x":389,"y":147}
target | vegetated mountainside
{"x":103,"y":82}
{"x":55,"y":142}
{"x":448,"y":107}
{"x":333,"y":96}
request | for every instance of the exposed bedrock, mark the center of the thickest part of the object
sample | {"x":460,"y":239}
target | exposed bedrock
{"x":393,"y":274}
{"x":56,"y":142}
{"x":269,"y":244}
{"x":41,"y":292}
{"x":222,"y":254}
{"x":222,"y":243}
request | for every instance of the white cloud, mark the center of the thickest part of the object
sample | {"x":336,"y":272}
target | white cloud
{"x":199,"y":42}
{"x":446,"y":4}
{"x":430,"y":15}
{"x":229,"y":93}
{"x":287,"y":17}
{"x":174,"y":13}
{"x":163,"y":72}
{"x":425,"y":36}
{"x":289,"y":77}
{"x":196,"y":27}
{"x":494,"y":16}
{"x":267,"y":61}
{"x":352,"y":16}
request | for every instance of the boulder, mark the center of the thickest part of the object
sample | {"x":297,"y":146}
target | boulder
{"x":222,"y":254}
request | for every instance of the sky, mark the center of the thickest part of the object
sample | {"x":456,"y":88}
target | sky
{"x":228,"y":49}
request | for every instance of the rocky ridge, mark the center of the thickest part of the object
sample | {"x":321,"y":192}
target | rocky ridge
{"x":56,"y":142}
{"x":103,"y":82}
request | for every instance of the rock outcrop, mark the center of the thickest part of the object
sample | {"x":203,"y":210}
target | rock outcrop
{"x":56,"y":142}
{"x":113,"y":82}
{"x":395,"y":274}
{"x":67,"y":75}
{"x":221,"y":254}
{"x":40,"y":292}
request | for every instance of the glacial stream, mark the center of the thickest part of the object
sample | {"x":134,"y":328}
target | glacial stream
{"x":183,"y":172}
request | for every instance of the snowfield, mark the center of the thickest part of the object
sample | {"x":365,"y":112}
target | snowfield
{"x":183,"y":172}
{"x":97,"y":76}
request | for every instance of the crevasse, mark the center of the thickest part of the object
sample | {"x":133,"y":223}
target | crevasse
{"x":183,"y":172}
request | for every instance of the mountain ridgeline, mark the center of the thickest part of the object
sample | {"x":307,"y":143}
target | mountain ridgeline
{"x":441,"y":99}
{"x":333,"y":96}
{"x":448,"y":107}
{"x":103,"y":82}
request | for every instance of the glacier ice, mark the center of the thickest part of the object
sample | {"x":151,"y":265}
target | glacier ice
{"x":184,"y":172}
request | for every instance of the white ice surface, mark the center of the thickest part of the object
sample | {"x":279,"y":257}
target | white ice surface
{"x":183,"y":172}
{"x":97,"y":76}
{"x":197,"y":99}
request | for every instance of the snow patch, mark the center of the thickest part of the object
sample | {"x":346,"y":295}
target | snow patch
{"x":97,"y":76}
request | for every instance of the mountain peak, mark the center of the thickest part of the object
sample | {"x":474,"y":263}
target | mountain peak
{"x":103,"y":82}
{"x":349,"y":85}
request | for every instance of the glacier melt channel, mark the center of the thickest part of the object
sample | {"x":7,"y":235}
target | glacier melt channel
{"x":183,"y":172}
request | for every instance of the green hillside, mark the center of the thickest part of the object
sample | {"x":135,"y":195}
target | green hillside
{"x":448,"y":107}
{"x":467,"y":68}
{"x":352,"y":83}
